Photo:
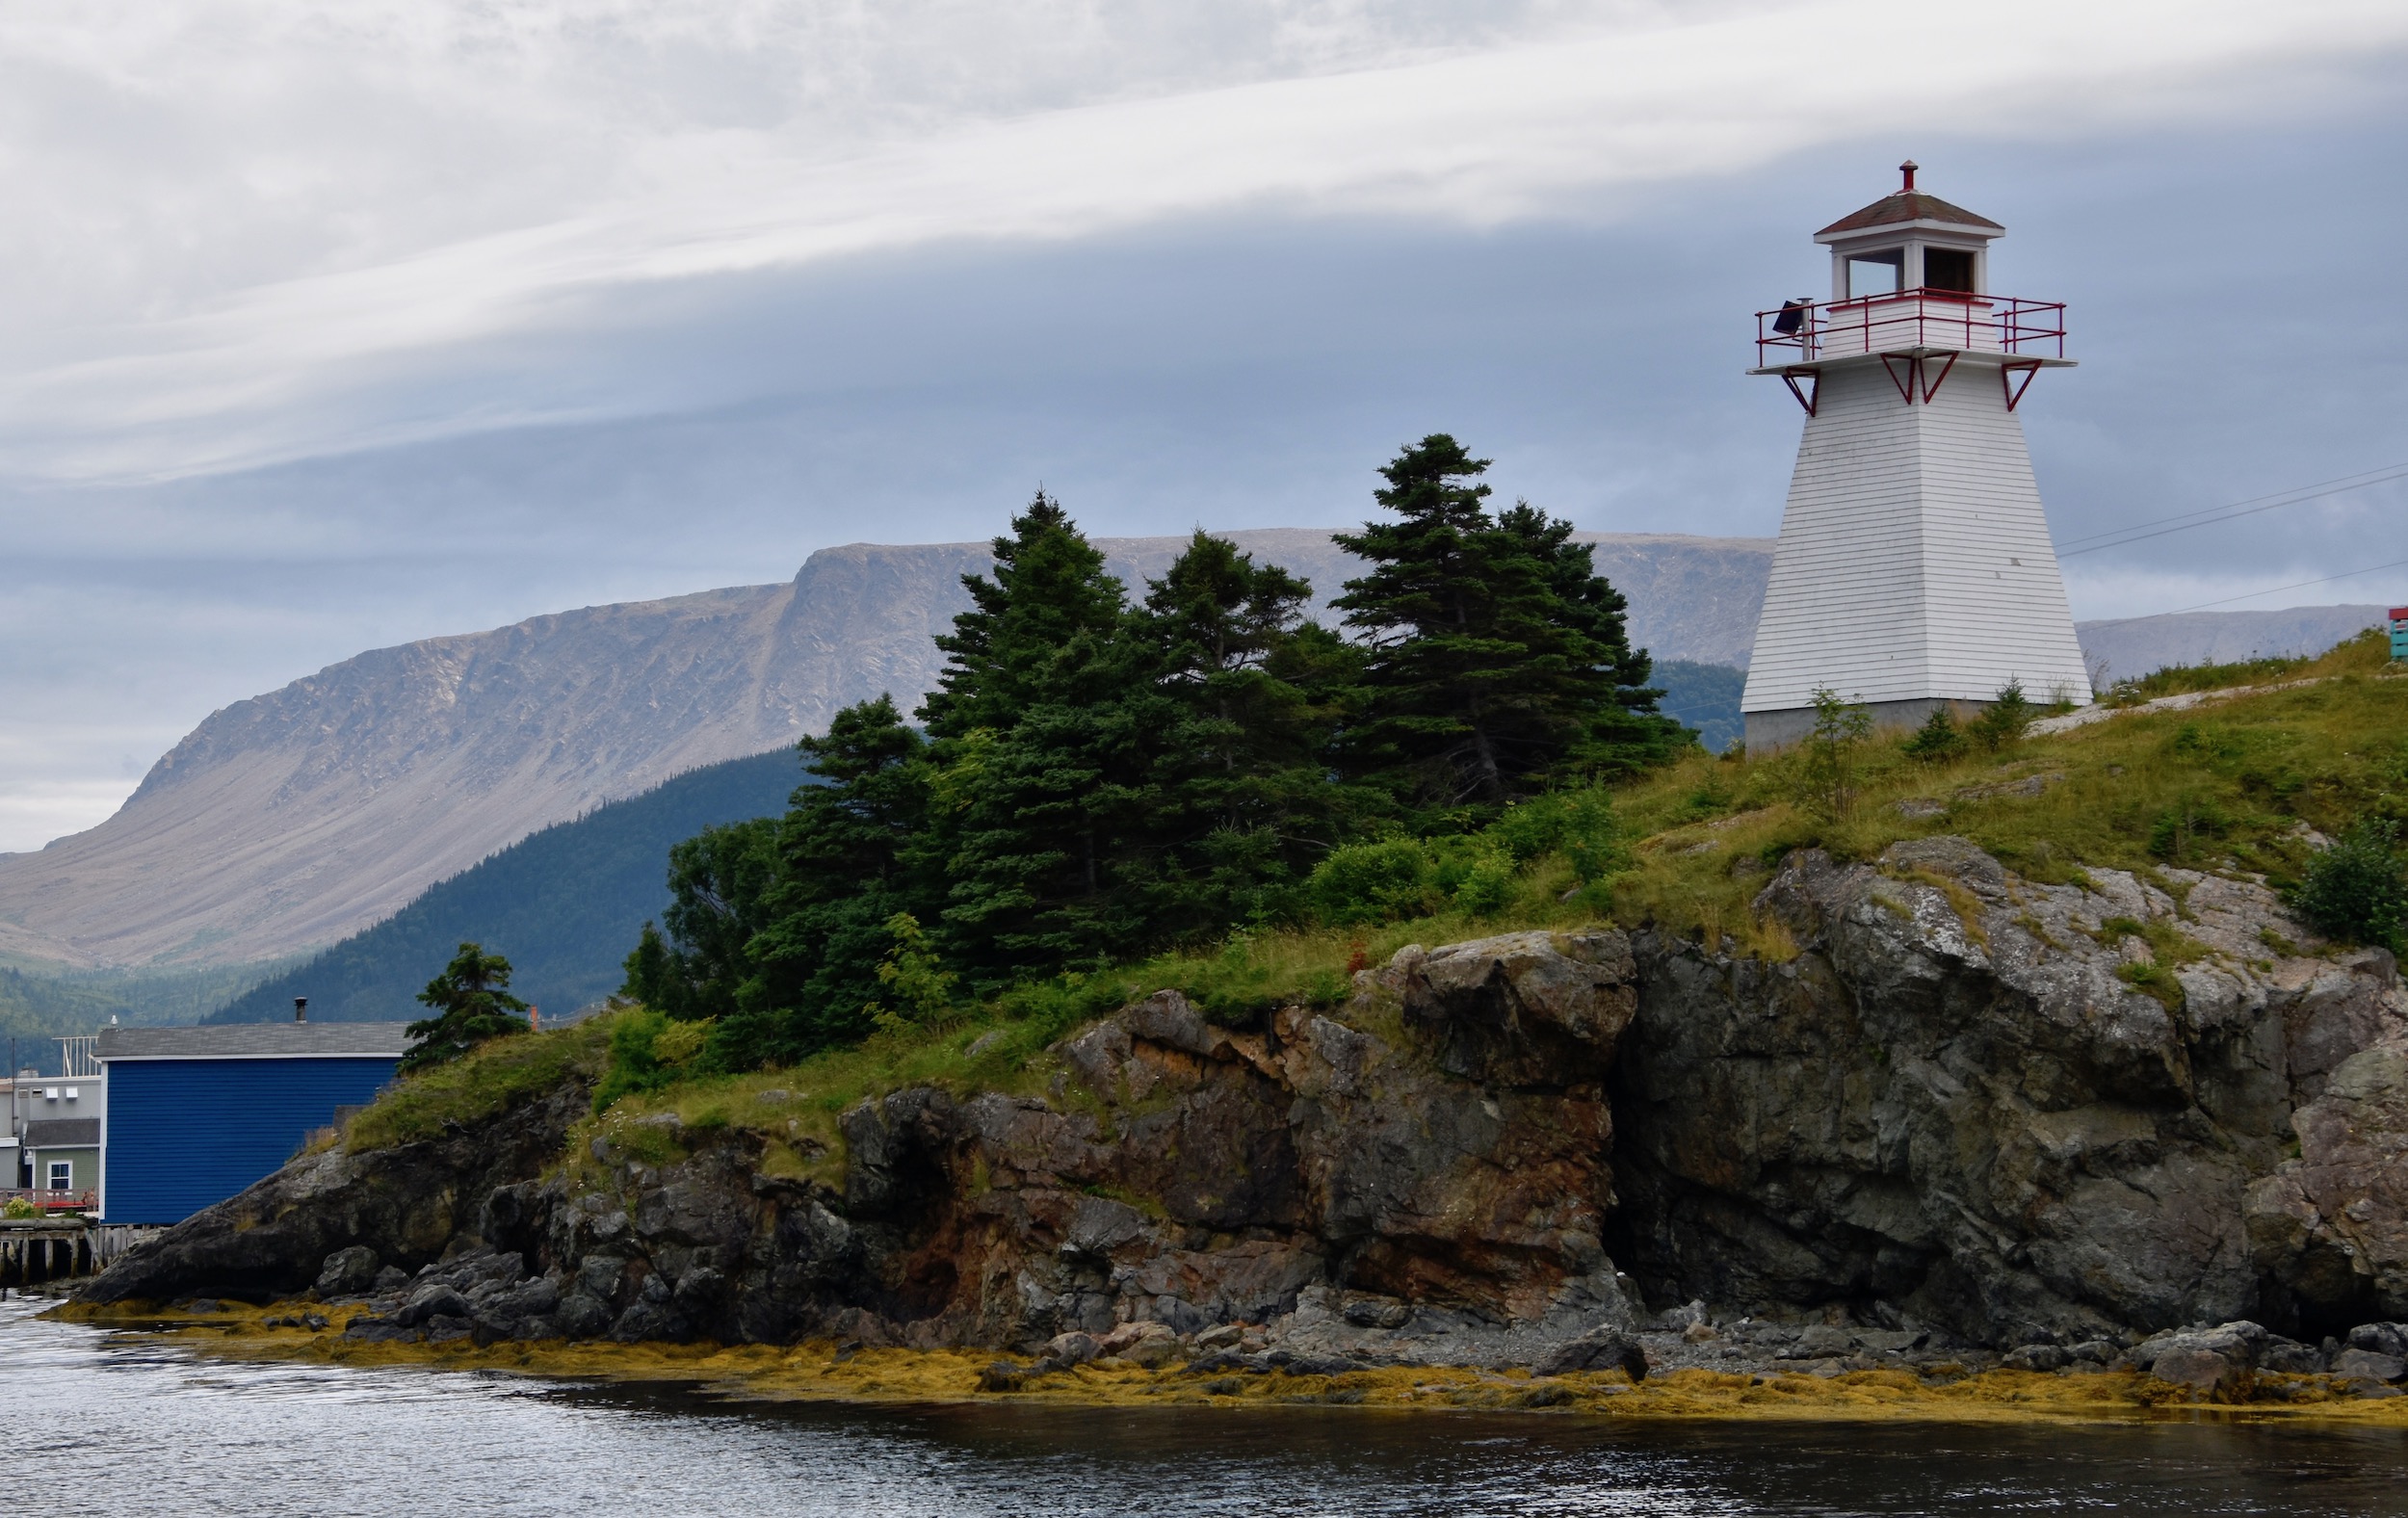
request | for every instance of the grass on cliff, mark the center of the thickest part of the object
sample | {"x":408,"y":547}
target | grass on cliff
{"x":498,"y":1075}
{"x":2234,"y":786}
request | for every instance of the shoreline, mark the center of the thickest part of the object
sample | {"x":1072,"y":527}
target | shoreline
{"x":824,"y":1370}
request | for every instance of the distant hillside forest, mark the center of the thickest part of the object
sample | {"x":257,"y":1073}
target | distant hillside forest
{"x":561,"y":905}
{"x":1099,"y":778}
{"x":39,"y":1004}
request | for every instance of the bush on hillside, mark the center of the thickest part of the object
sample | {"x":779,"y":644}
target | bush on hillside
{"x":1828,"y":759}
{"x":648,"y":1051}
{"x":1374,"y":883}
{"x":2356,"y":889}
{"x":1937,"y":741}
{"x":2005,"y":719}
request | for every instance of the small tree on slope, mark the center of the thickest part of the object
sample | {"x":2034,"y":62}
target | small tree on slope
{"x":471,"y":1002}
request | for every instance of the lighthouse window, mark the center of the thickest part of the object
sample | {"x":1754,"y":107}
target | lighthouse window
{"x":1875,"y":273}
{"x":1948,"y":268}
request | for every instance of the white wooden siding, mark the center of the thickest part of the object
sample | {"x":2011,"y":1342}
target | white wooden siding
{"x":1914,"y":560}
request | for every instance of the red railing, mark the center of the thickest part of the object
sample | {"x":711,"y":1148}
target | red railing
{"x":47,"y":1200}
{"x":1946,"y":319}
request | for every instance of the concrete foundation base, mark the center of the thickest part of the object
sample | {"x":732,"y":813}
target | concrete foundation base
{"x":1772,"y":731}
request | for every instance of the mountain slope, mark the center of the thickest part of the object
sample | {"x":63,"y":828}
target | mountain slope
{"x":295,"y":819}
{"x":563,"y":905}
{"x":2135,"y":645}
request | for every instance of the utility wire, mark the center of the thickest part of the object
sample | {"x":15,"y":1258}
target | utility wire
{"x":2271,"y":589}
{"x":2234,"y":512}
{"x":2361,"y":477}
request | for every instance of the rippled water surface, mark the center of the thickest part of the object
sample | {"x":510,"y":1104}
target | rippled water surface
{"x":117,"y":1424}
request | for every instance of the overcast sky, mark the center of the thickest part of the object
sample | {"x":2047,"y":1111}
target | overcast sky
{"x":323,"y":330}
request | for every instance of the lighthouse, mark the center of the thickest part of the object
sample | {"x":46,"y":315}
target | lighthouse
{"x":1913,"y":569}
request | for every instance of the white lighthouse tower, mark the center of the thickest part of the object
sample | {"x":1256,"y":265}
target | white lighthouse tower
{"x":1915,"y":569}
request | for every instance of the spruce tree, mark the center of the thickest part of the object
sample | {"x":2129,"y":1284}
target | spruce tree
{"x":471,"y":1003}
{"x":1497,"y":658}
{"x":1629,"y":734}
{"x":1046,"y":722}
{"x":843,"y":866}
{"x":718,"y":884}
{"x":1007,"y":654}
{"x":1239,"y":801}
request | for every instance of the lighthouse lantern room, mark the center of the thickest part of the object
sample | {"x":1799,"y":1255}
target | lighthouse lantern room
{"x":1915,"y":570}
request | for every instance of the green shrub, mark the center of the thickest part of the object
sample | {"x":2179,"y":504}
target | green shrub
{"x":1938,"y":740}
{"x":1827,"y":766}
{"x":2357,"y":890}
{"x":1478,"y":878}
{"x":920,"y":991}
{"x":1374,"y":883}
{"x":648,"y":1051}
{"x":2004,"y":721}
{"x":2176,"y":831}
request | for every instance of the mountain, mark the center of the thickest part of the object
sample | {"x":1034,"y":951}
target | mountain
{"x":1705,"y":697}
{"x":562,"y":905}
{"x":2135,"y":645}
{"x":295,"y":819}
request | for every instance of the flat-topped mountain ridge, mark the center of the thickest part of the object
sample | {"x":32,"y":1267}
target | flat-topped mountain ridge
{"x":290,"y":820}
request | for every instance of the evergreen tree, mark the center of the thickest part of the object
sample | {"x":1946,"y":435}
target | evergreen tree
{"x":843,"y":869}
{"x":1629,"y":735}
{"x":1006,"y":655}
{"x":1046,"y":722}
{"x":471,"y":1002}
{"x":718,"y":884}
{"x":1497,"y":657}
{"x":1239,"y":801}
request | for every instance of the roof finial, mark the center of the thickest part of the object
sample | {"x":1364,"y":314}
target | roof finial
{"x":1908,"y":170}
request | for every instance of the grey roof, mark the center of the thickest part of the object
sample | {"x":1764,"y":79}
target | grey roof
{"x":60,"y":1133}
{"x":1907,"y":205}
{"x":255,"y":1040}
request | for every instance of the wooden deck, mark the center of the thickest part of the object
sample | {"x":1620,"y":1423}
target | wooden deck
{"x":37,"y":1249}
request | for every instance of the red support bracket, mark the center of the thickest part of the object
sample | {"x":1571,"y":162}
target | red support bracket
{"x":2014,"y":391}
{"x":1907,"y":380}
{"x":1933,"y":387}
{"x":1812,"y":393}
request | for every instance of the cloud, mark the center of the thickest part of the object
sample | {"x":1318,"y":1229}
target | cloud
{"x":665,"y":146}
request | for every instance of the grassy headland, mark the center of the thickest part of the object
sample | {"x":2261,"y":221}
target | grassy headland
{"x":2243,"y":786}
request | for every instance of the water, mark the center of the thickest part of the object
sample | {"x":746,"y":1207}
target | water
{"x":110,"y":1422}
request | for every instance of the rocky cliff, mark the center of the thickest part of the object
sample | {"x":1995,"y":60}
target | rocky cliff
{"x":1957,"y":1117}
{"x":294,"y":819}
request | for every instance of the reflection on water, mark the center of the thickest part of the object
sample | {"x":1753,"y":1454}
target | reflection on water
{"x":116,"y":1423}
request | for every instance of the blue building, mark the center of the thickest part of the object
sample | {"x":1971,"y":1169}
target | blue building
{"x":195,"y":1114}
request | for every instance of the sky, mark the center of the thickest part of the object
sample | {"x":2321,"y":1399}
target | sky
{"x":327,"y":328}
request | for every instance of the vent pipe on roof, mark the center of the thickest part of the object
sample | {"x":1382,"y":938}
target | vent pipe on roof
{"x":1908,"y":169}
{"x":301,"y":1008}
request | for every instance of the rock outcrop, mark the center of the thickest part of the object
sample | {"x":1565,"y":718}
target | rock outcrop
{"x":1972,"y":1115}
{"x":1957,"y":1105}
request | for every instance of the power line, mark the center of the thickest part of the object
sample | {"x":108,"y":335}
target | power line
{"x":2271,"y":589}
{"x":2361,"y":477}
{"x":2235,"y":511}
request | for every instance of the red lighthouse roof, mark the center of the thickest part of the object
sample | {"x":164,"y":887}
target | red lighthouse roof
{"x":1908,"y":204}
